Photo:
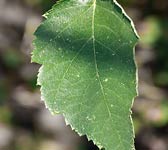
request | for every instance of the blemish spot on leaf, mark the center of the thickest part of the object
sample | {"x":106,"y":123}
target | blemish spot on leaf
{"x":111,"y":105}
{"x":83,"y":1}
{"x":106,"y":80}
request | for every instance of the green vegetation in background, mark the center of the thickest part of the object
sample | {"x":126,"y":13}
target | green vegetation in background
{"x":33,"y":83}
{"x":161,"y":49}
{"x":43,"y":4}
{"x":151,"y":31}
{"x":12,"y":58}
{"x":3,"y":91}
{"x":155,"y":36}
{"x":5,"y":115}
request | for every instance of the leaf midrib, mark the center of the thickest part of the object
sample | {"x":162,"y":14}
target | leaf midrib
{"x":95,"y":59}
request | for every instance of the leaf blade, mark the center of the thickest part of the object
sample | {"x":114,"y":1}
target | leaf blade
{"x":85,"y":58}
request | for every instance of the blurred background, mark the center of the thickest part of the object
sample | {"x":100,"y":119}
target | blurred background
{"x":25,"y":123}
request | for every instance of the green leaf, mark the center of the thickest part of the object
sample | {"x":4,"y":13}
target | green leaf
{"x":88,"y":72}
